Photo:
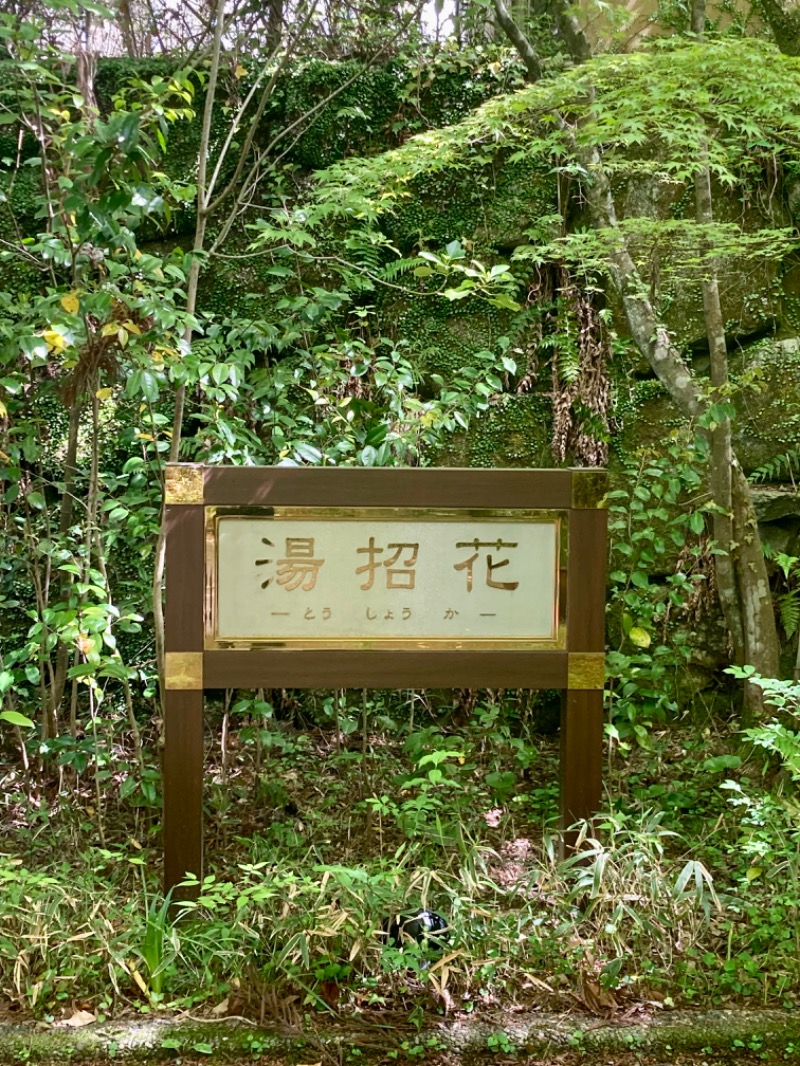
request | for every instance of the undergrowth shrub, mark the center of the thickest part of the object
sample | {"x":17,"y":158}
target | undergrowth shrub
{"x":618,"y":911}
{"x":658,"y":575}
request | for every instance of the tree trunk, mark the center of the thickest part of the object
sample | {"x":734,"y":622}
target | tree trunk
{"x":274,"y":24}
{"x":720,"y":473}
{"x":65,"y":579}
{"x":784,"y":21}
{"x":741,"y":572}
{"x":761,"y":647}
{"x":519,"y":40}
{"x":742,"y":577}
{"x":125,"y":23}
{"x":203,"y":196}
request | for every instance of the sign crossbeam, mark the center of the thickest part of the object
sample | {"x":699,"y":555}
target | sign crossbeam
{"x":331,"y":577}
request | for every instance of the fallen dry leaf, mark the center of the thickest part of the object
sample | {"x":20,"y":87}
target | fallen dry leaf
{"x":80,"y":1018}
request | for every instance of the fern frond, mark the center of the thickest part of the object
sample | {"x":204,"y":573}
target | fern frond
{"x":788,"y":463}
{"x":396,"y":268}
{"x":775,"y":737}
{"x":789,"y":609}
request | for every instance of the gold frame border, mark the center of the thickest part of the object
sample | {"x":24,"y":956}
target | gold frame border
{"x":183,"y":670}
{"x":586,"y":670}
{"x":385,"y":514}
{"x":184,"y":483}
{"x":589,"y":488}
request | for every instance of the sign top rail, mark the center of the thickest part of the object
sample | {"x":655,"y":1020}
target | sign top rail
{"x":264,"y":486}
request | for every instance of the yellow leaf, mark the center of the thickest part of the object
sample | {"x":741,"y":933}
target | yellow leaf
{"x":138,"y":979}
{"x":103,"y":394}
{"x":240,"y":71}
{"x":3,"y":410}
{"x":754,"y":873}
{"x":122,"y":337}
{"x":85,"y":643}
{"x":443,"y":964}
{"x":131,"y":327}
{"x":55,"y":341}
{"x":640,"y":637}
{"x":70,"y":303}
{"x":109,"y":329}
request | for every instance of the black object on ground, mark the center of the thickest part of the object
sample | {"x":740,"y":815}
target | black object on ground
{"x":422,"y":927}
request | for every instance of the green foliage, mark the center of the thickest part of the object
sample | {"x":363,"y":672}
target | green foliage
{"x":649,"y":112}
{"x":100,"y":312}
{"x":656,"y":573}
{"x":398,"y":308}
{"x":647,"y":115}
{"x":781,"y":735}
{"x":159,"y":945}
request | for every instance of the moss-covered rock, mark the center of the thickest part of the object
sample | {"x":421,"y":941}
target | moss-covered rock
{"x":751,"y":291}
{"x":767,"y":403}
{"x":515,"y":432}
{"x":491,"y":207}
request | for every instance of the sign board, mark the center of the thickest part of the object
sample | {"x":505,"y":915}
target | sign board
{"x":333,"y":577}
{"x":399,"y":577}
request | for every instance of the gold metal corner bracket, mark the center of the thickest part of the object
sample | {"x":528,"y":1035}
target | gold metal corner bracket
{"x":183,"y":483}
{"x":586,"y":670}
{"x":589,"y":488}
{"x":183,"y":670}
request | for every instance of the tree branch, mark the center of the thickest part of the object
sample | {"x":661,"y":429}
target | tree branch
{"x":526,"y":50}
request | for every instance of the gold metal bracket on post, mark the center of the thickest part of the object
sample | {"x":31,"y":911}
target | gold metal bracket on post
{"x":586,"y":670}
{"x":183,"y":483}
{"x":589,"y":488}
{"x":183,"y":670}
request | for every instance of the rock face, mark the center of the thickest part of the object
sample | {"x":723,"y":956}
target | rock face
{"x":515,"y":432}
{"x":752,"y":291}
{"x":766,"y":425}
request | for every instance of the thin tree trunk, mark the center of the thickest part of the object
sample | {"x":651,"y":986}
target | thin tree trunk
{"x":741,"y":572}
{"x":126,"y":30}
{"x":274,"y":24}
{"x":191,"y":305}
{"x":720,"y":472}
{"x":65,"y":581}
{"x":761,"y":647}
{"x":86,"y":63}
{"x":526,"y":50}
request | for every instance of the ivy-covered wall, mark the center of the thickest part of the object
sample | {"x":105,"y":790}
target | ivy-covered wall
{"x":491,"y":208}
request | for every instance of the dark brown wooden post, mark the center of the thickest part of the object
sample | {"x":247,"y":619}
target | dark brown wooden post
{"x":582,"y":703}
{"x":183,"y":677}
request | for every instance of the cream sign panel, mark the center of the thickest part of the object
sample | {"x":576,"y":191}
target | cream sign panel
{"x":308,"y":577}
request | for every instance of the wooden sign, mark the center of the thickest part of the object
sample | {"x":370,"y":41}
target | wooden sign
{"x":342,"y":577}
